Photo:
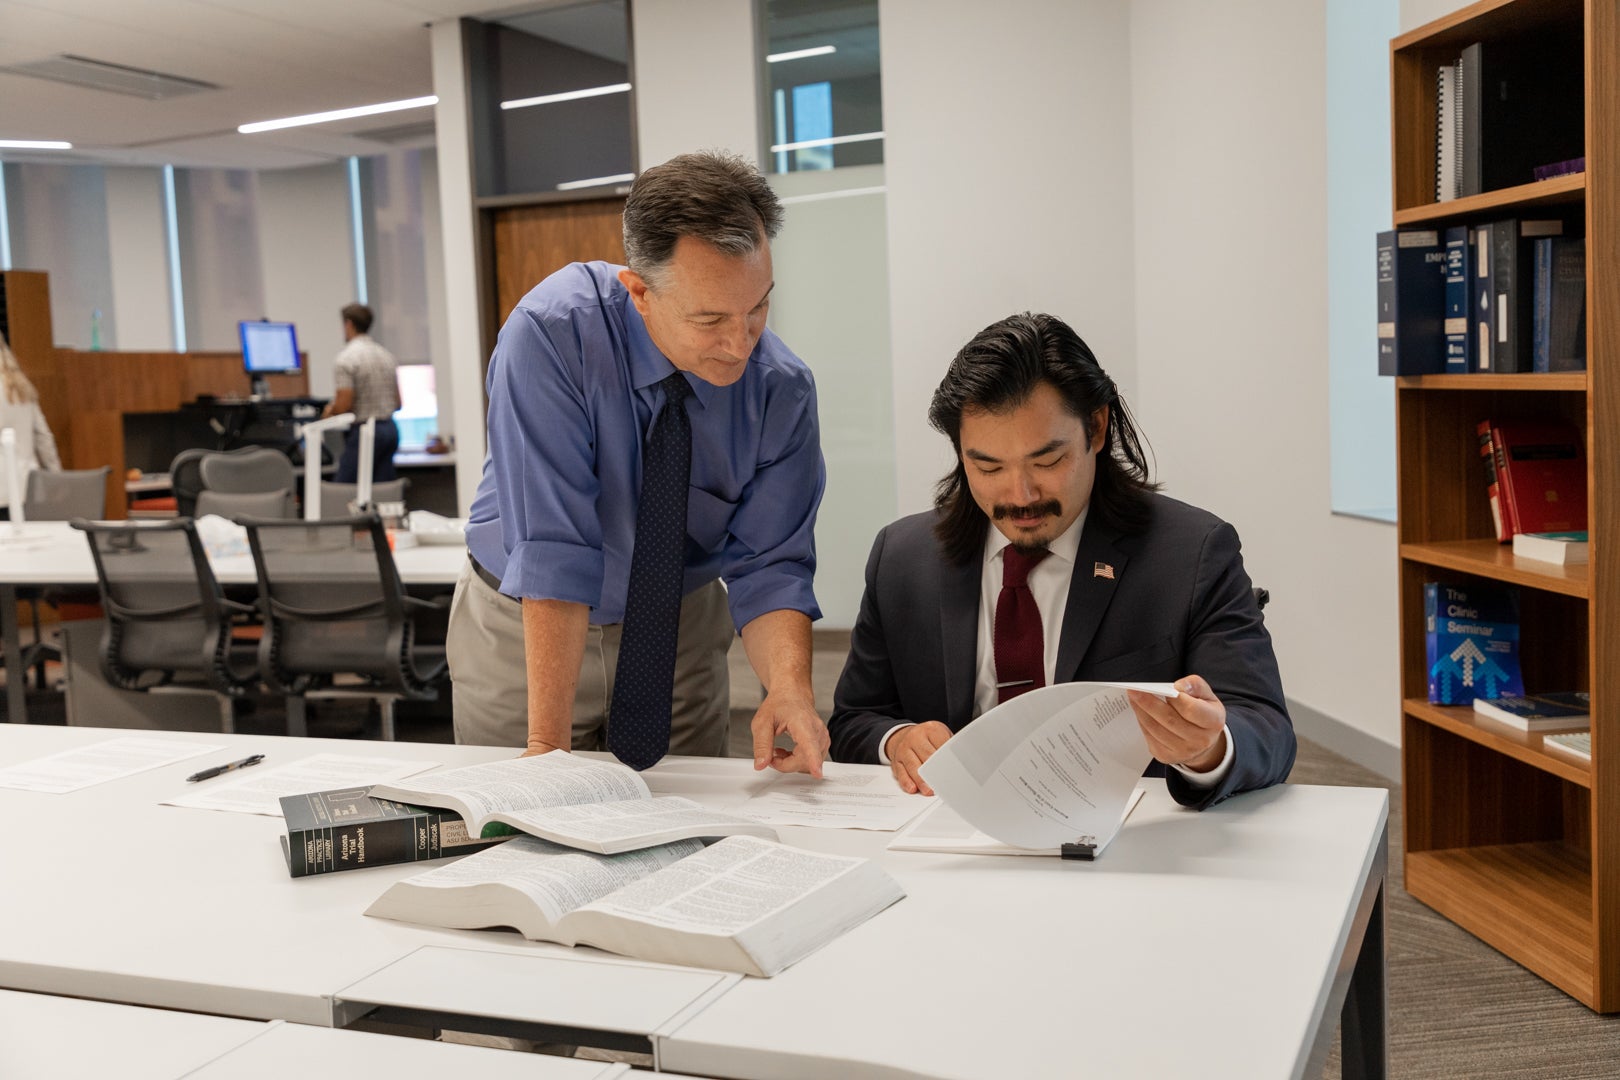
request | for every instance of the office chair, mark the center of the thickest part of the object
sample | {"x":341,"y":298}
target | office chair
{"x":249,"y":470}
{"x":57,"y":496}
{"x":236,"y":504}
{"x":335,"y":497}
{"x":334,"y":606}
{"x":166,"y":614}
{"x":185,"y":480}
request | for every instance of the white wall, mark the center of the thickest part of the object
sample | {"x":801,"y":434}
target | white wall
{"x":138,"y":258}
{"x":831,"y":306}
{"x":1008,"y":162}
{"x":695,"y":78}
{"x":306,"y":253}
{"x":438,"y":318}
{"x":1229,"y":107}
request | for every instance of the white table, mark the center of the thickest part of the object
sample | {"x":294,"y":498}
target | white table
{"x":42,"y":1035}
{"x":54,"y":553}
{"x":999,"y":966}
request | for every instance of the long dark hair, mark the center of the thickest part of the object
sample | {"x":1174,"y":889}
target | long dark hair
{"x":996,"y":372}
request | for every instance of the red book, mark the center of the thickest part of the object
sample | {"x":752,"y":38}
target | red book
{"x":1541,"y":468}
{"x":1493,"y":488}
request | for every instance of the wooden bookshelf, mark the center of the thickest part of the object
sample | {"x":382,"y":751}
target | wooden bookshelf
{"x":1518,"y":846}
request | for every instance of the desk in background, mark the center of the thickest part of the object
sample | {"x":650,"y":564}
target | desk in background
{"x":1221,"y":944}
{"x":54,"y":553}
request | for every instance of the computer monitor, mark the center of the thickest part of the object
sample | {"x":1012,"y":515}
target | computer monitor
{"x":418,"y":415}
{"x":268,"y":348}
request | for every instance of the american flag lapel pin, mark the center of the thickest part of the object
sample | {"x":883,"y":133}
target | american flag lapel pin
{"x":1102,"y":569}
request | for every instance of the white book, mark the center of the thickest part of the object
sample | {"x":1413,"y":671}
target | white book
{"x":743,"y":904}
{"x":1574,"y":745}
{"x":592,"y":805}
{"x":1563,"y":548}
{"x":1051,"y":767}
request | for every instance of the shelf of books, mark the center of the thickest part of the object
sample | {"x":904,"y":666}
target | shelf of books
{"x":1499,"y":316}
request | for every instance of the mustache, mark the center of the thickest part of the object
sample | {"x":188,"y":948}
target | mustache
{"x":1048,"y":508}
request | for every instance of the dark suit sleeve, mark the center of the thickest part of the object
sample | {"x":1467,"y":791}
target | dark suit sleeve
{"x":1228,"y":645}
{"x":866,"y":703}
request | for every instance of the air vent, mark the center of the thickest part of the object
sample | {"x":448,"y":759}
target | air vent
{"x":114,"y":78}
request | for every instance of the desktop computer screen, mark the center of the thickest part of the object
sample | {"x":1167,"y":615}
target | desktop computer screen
{"x":269,"y":348}
{"x":418,"y":415}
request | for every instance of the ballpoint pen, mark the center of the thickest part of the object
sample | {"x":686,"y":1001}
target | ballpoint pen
{"x":208,"y":774}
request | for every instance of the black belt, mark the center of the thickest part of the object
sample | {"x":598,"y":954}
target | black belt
{"x":488,"y":578}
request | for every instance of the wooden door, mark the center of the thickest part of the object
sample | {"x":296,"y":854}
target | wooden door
{"x":532,"y":242}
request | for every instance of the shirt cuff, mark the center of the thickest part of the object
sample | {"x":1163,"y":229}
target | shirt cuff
{"x":1213,"y":777}
{"x":553,"y":570}
{"x":883,"y":758}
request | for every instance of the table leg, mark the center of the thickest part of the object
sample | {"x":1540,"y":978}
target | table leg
{"x":1363,"y":1034}
{"x":11,"y":644}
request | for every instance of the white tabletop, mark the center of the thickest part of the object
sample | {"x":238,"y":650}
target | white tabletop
{"x":54,"y":553}
{"x":42,"y":1035}
{"x":1202,"y":943}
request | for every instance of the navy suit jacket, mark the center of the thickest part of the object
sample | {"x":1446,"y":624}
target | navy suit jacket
{"x":1178,"y":603}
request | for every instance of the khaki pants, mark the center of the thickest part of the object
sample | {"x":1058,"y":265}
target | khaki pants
{"x":489,"y":678}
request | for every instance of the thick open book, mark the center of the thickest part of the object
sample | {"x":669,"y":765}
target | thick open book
{"x":598,"y":806}
{"x":1051,"y":769}
{"x":743,"y":904}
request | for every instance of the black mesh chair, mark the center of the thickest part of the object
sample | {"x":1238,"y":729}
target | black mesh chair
{"x":334,"y":607}
{"x":57,"y":496}
{"x":250,"y":470}
{"x":336,"y":497}
{"x":185,"y":480}
{"x":167,"y":618}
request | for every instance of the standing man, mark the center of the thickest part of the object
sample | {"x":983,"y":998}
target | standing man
{"x":1049,"y":557}
{"x":649,"y":438}
{"x":364,"y":374}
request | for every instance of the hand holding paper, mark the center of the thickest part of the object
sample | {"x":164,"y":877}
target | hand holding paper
{"x":1184,"y":730}
{"x":909,"y":747}
{"x":1050,"y":767}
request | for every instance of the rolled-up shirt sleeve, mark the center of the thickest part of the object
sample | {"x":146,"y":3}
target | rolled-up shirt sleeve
{"x":542,"y":451}
{"x":769,"y":560}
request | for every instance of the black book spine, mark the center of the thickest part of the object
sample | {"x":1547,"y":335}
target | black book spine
{"x":356,"y":844}
{"x":1505,"y":296}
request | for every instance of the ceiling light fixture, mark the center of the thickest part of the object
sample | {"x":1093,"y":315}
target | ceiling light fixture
{"x":836,"y":140}
{"x":800,"y":54}
{"x":566,"y":95}
{"x":33,"y":144}
{"x":338,"y":114}
{"x":597,"y":181}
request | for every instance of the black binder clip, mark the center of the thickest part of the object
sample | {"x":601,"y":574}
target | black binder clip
{"x":1084,"y":848}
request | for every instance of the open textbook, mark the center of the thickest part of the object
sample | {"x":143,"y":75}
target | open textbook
{"x":743,"y":904}
{"x":1051,"y":767}
{"x":599,"y":806}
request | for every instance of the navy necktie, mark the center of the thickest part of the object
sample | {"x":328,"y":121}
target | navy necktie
{"x":643,"y":685}
{"x":1020,"y":644}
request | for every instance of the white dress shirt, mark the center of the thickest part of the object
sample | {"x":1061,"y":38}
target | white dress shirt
{"x":1049,"y":584}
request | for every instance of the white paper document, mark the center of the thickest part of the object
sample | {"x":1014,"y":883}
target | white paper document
{"x":1051,"y":767}
{"x":112,"y":759}
{"x":258,"y":790}
{"x":846,"y":798}
{"x":941,"y":830}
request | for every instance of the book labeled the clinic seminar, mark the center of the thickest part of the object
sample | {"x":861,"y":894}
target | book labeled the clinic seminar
{"x":1561,"y":711}
{"x":349,"y":829}
{"x":1471,"y":638}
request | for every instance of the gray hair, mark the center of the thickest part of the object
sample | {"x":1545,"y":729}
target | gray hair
{"x":713,"y":196}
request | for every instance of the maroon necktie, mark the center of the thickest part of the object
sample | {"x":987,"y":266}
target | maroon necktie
{"x":1020,"y":646}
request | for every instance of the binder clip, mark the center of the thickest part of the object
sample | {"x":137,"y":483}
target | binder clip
{"x":1085,"y":848}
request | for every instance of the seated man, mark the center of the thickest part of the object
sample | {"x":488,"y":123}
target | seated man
{"x":1049,"y":557}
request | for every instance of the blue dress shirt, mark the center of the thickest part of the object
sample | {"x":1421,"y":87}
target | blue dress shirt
{"x":572,"y":393}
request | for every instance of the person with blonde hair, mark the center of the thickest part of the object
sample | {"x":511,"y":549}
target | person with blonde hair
{"x":19,"y":411}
